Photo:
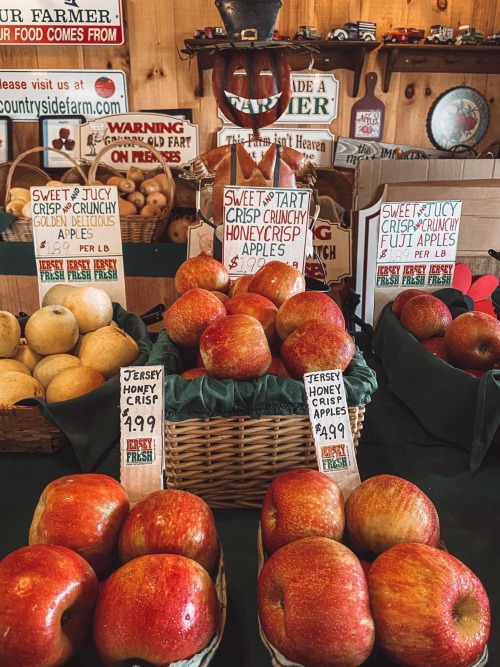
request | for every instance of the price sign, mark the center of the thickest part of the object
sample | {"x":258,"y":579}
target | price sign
{"x":142,"y":430}
{"x":262,"y":225}
{"x":329,"y":414}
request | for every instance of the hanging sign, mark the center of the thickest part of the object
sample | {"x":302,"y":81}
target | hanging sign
{"x":331,"y":428}
{"x":417,"y":244}
{"x":27,"y":94}
{"x":316,"y":145}
{"x":77,"y":238}
{"x":367,"y":114}
{"x":5,"y":139}
{"x":332,"y":246}
{"x":349,"y":151}
{"x":174,"y":138}
{"x":264,"y":224}
{"x":61,"y":22}
{"x":142,"y":430}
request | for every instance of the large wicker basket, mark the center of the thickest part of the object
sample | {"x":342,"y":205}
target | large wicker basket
{"x":230,"y":461}
{"x":22,"y":228}
{"x":137,"y":228}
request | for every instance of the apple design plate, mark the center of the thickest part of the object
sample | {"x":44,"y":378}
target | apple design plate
{"x":459,"y":117}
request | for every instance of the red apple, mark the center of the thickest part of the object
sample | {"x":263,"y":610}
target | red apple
{"x":188,"y":317}
{"x":473,"y":340}
{"x":170,"y":521}
{"x":437,"y":347}
{"x":193,"y":373}
{"x":47,"y":597}
{"x":275,"y":364}
{"x":307,"y":306}
{"x":201,"y":271}
{"x":301,"y":503}
{"x":239,"y":286}
{"x":429,"y":608}
{"x":385,"y":510}
{"x":313,"y":604}
{"x":425,"y":316}
{"x":256,"y":305}
{"x":158,"y":608}
{"x":277,"y":281}
{"x":83,"y":512}
{"x":475,"y":372}
{"x":281,"y":371}
{"x":235,"y":347}
{"x":403,"y":297}
{"x":317,"y":346}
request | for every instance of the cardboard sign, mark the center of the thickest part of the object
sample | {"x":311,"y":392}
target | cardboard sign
{"x":264,"y":224}
{"x":142,"y":430}
{"x":332,"y":244}
{"x":174,"y":138}
{"x":417,"y":244}
{"x":315,"y":144}
{"x":77,"y":238}
{"x":55,"y":22}
{"x":349,"y":151}
{"x":329,"y":414}
{"x":27,"y":94}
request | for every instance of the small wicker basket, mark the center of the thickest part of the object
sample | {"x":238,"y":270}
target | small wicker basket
{"x":137,"y":228}
{"x":22,"y":228}
{"x":230,"y":461}
{"x":23,"y":429}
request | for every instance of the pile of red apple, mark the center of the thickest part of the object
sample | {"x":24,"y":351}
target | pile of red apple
{"x":261,"y":323}
{"x":471,"y":341}
{"x":141,"y":579}
{"x":341,"y":578}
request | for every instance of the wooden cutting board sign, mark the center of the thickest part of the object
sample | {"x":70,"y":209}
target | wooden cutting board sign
{"x":367,"y":115}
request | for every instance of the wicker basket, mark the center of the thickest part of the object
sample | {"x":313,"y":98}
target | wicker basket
{"x":22,"y":228}
{"x":230,"y":461}
{"x":26,"y":174}
{"x":138,"y":228}
{"x":23,"y":429}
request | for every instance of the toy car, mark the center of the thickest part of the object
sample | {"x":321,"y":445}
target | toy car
{"x":354,"y":30}
{"x":493,"y":40}
{"x":403,"y":36}
{"x":439,"y":34}
{"x":210,"y":33}
{"x":468,"y":35}
{"x":279,"y":38}
{"x":308,"y":32}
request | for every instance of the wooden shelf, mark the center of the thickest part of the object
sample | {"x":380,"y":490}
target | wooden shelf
{"x":439,"y":58}
{"x":327,"y":55}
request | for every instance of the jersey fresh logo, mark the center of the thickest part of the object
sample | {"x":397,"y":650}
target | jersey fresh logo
{"x":334,"y":457}
{"x":139,"y":451}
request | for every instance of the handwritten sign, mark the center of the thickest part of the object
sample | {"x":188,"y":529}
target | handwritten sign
{"x":417,"y":244}
{"x":142,"y":430}
{"x":264,"y":224}
{"x":77,"y":238}
{"x":329,"y":414}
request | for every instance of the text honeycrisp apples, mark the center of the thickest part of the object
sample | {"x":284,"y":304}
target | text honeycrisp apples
{"x":188,"y":317}
{"x":429,"y":608}
{"x":201,"y":271}
{"x":301,"y":503}
{"x":83,"y":512}
{"x":425,"y":315}
{"x":472,"y":340}
{"x":170,"y":521}
{"x":47,"y":597}
{"x":158,"y":608}
{"x":313,"y":604}
{"x":277,"y":281}
{"x":385,"y":510}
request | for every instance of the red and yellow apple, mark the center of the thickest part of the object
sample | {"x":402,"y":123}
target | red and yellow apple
{"x":201,"y":271}
{"x":239,"y":285}
{"x":425,"y":316}
{"x":473,"y":340}
{"x":403,"y":297}
{"x":307,"y":306}
{"x":188,"y":317}
{"x":437,"y":347}
{"x":258,"y":306}
{"x":277,"y":281}
{"x":193,"y":373}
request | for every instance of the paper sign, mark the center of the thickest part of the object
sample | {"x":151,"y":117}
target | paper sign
{"x":417,"y":244}
{"x":142,"y":430}
{"x":329,"y":414}
{"x":27,"y":94}
{"x":77,"y":238}
{"x":57,"y":22}
{"x":262,"y":225}
{"x":332,"y":245}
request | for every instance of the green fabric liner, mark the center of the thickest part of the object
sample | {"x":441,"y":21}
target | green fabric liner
{"x":205,"y":397}
{"x":92,"y":422}
{"x":453,"y":405}
{"x":6,"y":219}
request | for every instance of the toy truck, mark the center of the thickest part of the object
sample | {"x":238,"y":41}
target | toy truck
{"x":354,"y":30}
{"x":493,"y":40}
{"x":209,"y":33}
{"x":308,"y":32}
{"x":468,"y":35}
{"x":439,"y":34}
{"x":403,"y":36}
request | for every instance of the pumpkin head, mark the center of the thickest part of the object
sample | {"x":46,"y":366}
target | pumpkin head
{"x":252,"y":87}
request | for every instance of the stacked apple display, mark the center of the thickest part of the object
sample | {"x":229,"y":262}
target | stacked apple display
{"x":470,"y":342}
{"x":158,"y":603}
{"x":343,"y":578}
{"x":71,"y":346}
{"x":261,"y":323}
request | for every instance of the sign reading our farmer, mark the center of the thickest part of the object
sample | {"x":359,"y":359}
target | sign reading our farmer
{"x":329,"y":415}
{"x":61,"y":22}
{"x":417,"y":244}
{"x":77,"y":238}
{"x":28,"y":94}
{"x":264,"y":224}
{"x":174,"y":138}
{"x":141,"y":430}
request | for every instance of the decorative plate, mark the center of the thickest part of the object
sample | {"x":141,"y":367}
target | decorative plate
{"x":458,"y":117}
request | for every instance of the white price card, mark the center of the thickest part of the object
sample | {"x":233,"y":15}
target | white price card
{"x":329,"y":414}
{"x":142,"y":430}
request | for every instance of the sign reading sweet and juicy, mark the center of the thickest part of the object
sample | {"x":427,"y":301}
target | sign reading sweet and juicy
{"x":262,"y":225}
{"x":417,"y":244}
